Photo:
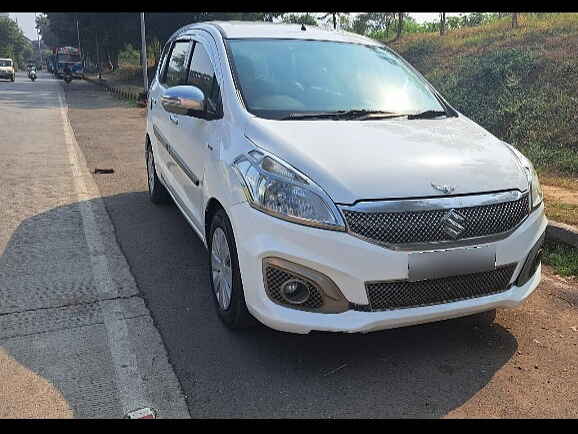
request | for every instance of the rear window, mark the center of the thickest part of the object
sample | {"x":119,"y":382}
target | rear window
{"x":5,"y":63}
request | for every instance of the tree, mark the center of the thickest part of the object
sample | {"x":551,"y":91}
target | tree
{"x":361,"y":24}
{"x":442,"y":23}
{"x":400,"y":17}
{"x":43,"y":27}
{"x":514,"y":20}
{"x":334,"y":17}
{"x":13,"y":44}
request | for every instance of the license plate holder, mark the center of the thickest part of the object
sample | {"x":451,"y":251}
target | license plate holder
{"x":445,"y":263}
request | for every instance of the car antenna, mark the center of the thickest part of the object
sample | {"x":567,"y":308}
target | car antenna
{"x":303,"y":27}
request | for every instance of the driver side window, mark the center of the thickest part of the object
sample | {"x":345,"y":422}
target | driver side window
{"x":202,"y":75}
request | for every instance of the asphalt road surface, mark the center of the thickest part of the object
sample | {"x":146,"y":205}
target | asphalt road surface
{"x":76,"y":339}
{"x":521,"y":364}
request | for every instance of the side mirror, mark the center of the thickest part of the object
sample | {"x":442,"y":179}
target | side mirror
{"x":184,"y":100}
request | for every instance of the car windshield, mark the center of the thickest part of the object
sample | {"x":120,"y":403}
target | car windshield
{"x":280,"y":77}
{"x":5,"y":63}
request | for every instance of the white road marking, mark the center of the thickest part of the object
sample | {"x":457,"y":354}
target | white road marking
{"x":128,"y":379}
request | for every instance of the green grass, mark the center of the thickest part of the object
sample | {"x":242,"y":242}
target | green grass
{"x":521,"y":84}
{"x":563,"y":258}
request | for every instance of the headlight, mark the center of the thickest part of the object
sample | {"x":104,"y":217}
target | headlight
{"x":275,"y":188}
{"x":536,"y":194}
{"x":535,"y":188}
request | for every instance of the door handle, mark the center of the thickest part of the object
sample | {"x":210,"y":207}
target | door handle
{"x":174,"y":119}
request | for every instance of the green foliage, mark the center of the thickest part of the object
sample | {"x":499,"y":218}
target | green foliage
{"x":129,"y":55}
{"x":48,"y":37}
{"x":563,"y":258}
{"x":306,"y":19}
{"x":13,"y":44}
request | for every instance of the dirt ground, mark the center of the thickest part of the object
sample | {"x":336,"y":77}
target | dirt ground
{"x":536,"y":343}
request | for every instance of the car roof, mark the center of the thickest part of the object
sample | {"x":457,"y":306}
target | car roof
{"x":260,"y":29}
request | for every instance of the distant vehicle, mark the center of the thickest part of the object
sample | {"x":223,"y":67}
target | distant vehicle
{"x":68,"y":56}
{"x":7,"y":71}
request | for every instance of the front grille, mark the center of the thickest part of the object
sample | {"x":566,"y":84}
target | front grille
{"x":427,"y":226}
{"x":275,"y":277}
{"x":403,"y":294}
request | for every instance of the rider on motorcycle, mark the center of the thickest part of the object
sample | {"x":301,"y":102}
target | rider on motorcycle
{"x":29,"y":68}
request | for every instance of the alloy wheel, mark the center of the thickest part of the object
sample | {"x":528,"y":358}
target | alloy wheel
{"x":221,"y":271}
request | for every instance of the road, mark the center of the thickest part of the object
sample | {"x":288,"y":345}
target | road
{"x":76,"y":339}
{"x":522,"y":364}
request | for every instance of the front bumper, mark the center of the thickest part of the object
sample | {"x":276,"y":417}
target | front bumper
{"x":350,"y":262}
{"x":6,"y":75}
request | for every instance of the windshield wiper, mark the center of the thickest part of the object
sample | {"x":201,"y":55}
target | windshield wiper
{"x":429,"y":114}
{"x":316,"y":115}
{"x":361,"y":114}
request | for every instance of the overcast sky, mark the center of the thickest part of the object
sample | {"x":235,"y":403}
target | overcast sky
{"x":27,"y":23}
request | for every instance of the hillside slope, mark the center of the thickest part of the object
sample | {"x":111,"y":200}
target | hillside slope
{"x":521,"y":85}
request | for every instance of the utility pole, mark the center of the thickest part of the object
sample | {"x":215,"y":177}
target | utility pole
{"x":78,"y":34}
{"x":144,"y":55}
{"x":38,"y":37}
{"x":98,"y":57}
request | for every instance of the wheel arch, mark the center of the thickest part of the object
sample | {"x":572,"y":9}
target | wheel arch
{"x":213,"y":205}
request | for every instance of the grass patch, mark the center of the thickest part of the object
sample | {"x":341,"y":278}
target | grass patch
{"x":562,"y":212}
{"x":563,"y":258}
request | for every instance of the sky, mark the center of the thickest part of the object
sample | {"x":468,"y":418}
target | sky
{"x":27,"y":23}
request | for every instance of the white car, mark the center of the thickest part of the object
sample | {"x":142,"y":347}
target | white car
{"x":7,"y":71}
{"x":334,"y":188}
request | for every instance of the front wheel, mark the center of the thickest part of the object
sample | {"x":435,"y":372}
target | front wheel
{"x":225,"y":276}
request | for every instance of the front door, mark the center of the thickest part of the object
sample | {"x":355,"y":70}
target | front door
{"x":198,"y":139}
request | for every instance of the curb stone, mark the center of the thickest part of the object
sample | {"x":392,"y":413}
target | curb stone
{"x":130,"y":94}
{"x":562,"y":232}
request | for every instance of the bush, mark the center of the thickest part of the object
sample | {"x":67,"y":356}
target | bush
{"x":129,"y":56}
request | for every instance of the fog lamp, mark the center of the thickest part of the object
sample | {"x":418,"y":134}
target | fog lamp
{"x":295,"y":292}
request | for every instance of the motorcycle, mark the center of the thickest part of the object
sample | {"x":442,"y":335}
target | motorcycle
{"x":67,"y":77}
{"x":32,"y":75}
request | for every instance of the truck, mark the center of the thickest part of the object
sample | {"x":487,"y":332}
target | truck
{"x":70,"y":56}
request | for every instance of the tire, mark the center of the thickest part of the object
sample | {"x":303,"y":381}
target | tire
{"x":235,"y":315}
{"x":12,"y":79}
{"x":158,"y":194}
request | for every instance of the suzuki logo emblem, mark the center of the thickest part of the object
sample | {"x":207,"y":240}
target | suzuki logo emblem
{"x":453,"y":224}
{"x":447,"y":189}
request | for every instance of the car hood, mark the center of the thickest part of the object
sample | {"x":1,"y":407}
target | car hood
{"x":393,"y":158}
